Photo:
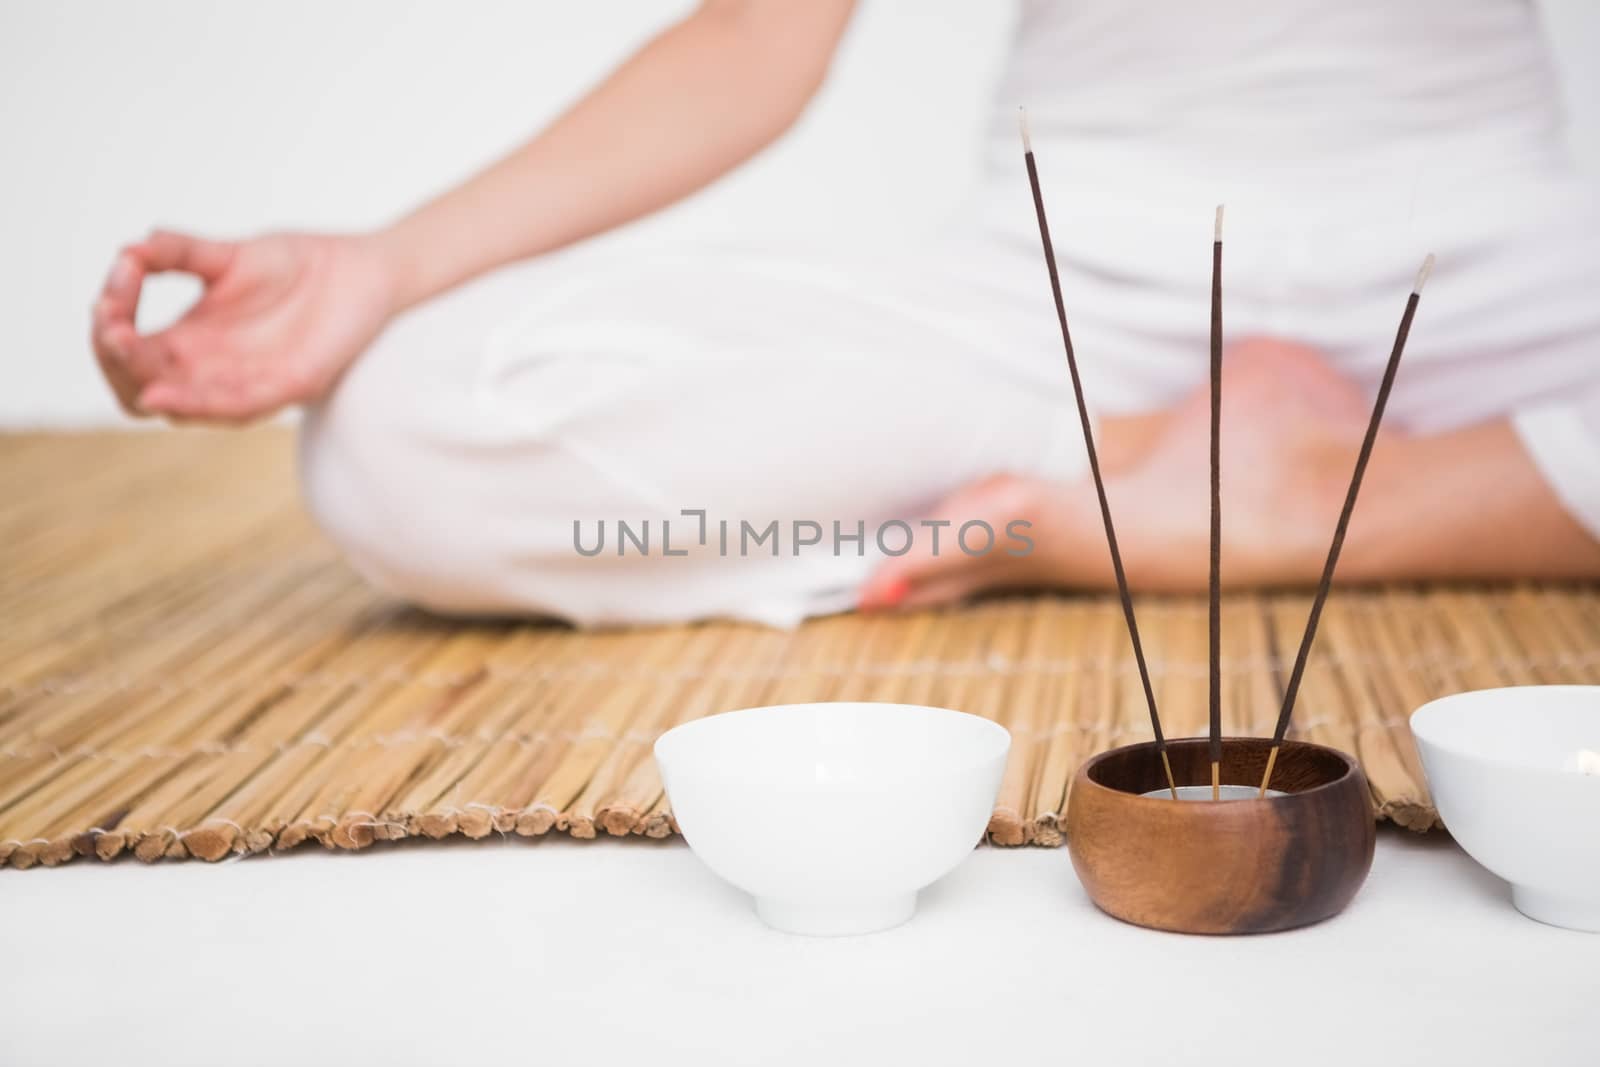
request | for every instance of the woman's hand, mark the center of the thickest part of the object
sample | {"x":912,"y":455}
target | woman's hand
{"x":283,"y":315}
{"x":279,"y":320}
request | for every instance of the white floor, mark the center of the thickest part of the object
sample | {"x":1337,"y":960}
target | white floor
{"x":555,"y":952}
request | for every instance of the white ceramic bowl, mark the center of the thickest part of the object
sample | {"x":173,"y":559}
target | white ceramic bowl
{"x":1499,"y":763}
{"x":833,"y":815}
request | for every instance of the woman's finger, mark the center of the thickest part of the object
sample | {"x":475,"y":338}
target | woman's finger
{"x":168,"y":250}
{"x":163,"y":250}
{"x":123,"y":387}
{"x":113,"y":359}
{"x":119,"y":298}
{"x":174,"y":401}
{"x":132,"y":363}
{"x":112,"y":331}
{"x":117,"y":307}
{"x":143,"y":358}
{"x":208,"y":400}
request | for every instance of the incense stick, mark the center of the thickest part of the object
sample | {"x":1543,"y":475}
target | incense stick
{"x":1214,"y":660}
{"x":1293,"y":688}
{"x":1094,"y":459}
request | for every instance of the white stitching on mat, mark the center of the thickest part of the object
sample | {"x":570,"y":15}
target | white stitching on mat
{"x":372,"y":822}
{"x":491,"y":809}
{"x":1254,"y":729}
{"x":590,"y":733}
{"x":993,"y":664}
{"x":14,"y":843}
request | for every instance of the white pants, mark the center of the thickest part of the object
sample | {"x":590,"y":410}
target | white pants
{"x":455,"y":458}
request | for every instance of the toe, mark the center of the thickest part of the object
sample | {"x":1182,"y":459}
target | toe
{"x":960,"y":547}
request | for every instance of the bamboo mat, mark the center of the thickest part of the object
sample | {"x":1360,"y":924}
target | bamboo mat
{"x":186,"y":669}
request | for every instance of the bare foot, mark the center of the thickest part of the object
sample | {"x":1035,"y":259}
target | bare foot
{"x":1291,"y":427}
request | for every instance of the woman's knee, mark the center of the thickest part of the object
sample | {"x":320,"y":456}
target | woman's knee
{"x":453,"y":482}
{"x":379,"y":484}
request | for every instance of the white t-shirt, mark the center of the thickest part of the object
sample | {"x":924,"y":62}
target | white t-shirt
{"x":1348,"y":138}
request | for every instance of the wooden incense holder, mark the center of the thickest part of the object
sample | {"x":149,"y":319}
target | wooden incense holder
{"x":1221,"y":867}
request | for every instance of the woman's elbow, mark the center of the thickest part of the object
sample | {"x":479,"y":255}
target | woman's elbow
{"x":788,"y":47}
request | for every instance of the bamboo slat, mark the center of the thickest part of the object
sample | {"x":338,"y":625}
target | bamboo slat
{"x":187,"y":670}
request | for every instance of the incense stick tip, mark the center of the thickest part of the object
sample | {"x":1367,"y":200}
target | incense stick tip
{"x":1022,"y":124}
{"x":1219,"y":222}
{"x":1422,"y":275}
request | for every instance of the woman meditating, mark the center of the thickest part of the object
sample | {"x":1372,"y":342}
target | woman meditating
{"x":480,"y":416}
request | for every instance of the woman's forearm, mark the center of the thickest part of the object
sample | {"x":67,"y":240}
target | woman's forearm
{"x":699,"y":99}
{"x":1467,"y":504}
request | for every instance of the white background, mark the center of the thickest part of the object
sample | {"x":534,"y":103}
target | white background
{"x":593,"y":954}
{"x":232,"y":118}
